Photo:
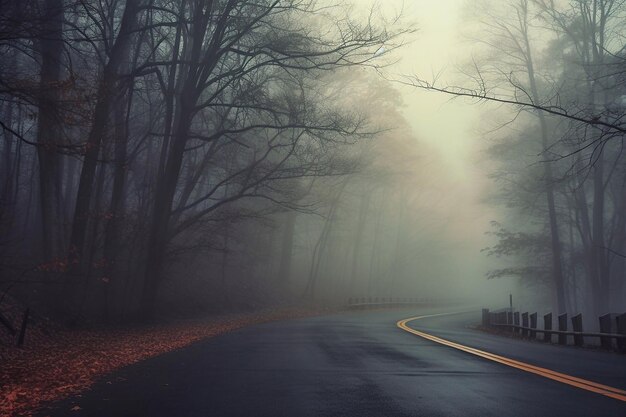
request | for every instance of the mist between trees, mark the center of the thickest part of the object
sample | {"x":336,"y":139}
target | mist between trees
{"x":558,"y":164}
{"x":165,"y":157}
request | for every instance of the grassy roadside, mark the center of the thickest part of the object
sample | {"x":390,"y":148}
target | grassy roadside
{"x":70,"y":361}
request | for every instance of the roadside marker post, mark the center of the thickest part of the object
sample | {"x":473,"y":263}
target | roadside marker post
{"x":533,"y":325}
{"x":577,"y":326}
{"x":562,"y":328}
{"x":605,"y":327}
{"x":547,"y":325}
{"x":525,"y":324}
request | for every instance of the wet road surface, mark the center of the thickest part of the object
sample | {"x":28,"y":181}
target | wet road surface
{"x":354,"y":364}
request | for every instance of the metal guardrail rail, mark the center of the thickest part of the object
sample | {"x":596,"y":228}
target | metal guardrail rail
{"x":379,"y":302}
{"x":567,"y":333}
{"x":612,"y":327}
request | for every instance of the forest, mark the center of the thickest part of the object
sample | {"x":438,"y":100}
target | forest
{"x":174,"y":147}
{"x":312,"y":208}
{"x":168,"y":157}
{"x":558,"y":165}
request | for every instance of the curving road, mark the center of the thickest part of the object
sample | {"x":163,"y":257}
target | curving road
{"x":356,"y":364}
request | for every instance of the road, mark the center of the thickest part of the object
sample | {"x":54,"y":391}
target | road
{"x":355,"y":364}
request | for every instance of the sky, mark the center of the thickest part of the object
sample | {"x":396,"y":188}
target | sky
{"x":450,"y":128}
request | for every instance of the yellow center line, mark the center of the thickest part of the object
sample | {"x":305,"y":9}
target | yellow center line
{"x":606,"y":390}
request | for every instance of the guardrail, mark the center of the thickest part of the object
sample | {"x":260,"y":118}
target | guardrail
{"x":527,"y":327}
{"x":9,"y":327}
{"x":364,"y":303}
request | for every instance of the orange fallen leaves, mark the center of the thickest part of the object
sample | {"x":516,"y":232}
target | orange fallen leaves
{"x":69,"y":362}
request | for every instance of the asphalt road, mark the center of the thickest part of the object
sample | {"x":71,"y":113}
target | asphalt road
{"x":355,"y":364}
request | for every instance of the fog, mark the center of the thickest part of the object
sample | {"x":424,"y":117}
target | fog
{"x":278,"y":153}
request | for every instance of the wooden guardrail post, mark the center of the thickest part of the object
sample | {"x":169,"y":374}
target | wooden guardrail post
{"x":577,"y":325}
{"x":533,"y":325}
{"x":562,"y":328}
{"x":621,"y":329}
{"x":529,"y":329}
{"x":20,"y":338}
{"x":605,"y":327}
{"x":547,"y":325}
{"x":525,"y":324}
{"x":7,"y":324}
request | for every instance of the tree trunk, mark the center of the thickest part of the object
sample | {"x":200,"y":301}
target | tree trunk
{"x":172,"y":153}
{"x":8,"y":193}
{"x":116,"y":206}
{"x":49,"y":125}
{"x":358,"y":235}
{"x":318,"y":251}
{"x":599,"y":269}
{"x":555,"y":242}
{"x":618,"y":264}
{"x":375,"y":250}
{"x":400,"y":240}
{"x":286,"y":253}
{"x":106,"y":93}
{"x":164,"y":197}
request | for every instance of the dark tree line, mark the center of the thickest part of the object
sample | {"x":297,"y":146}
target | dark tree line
{"x":560,"y":169}
{"x":135,"y":132}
